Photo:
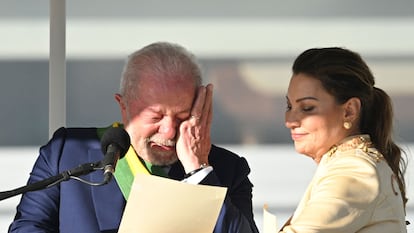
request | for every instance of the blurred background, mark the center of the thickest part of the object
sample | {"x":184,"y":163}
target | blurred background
{"x":246,"y":49}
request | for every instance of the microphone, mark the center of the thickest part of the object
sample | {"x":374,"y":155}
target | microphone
{"x":114,"y":143}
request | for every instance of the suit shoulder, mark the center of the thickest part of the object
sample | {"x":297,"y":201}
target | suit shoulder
{"x":75,"y":132}
{"x":217,"y":151}
{"x":225,"y":159}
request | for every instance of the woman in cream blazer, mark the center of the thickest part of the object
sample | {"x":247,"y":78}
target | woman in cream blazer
{"x":343,"y":122}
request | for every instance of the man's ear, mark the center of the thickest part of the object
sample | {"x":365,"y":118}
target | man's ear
{"x":121,"y":102}
{"x":123,"y":107}
{"x":352,"y":109}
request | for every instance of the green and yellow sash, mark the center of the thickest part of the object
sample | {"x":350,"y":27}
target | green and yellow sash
{"x":127,"y":167}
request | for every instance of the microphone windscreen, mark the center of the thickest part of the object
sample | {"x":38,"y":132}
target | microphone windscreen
{"x":117,"y":136}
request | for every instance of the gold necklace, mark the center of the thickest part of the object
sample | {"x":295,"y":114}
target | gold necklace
{"x":362,"y":142}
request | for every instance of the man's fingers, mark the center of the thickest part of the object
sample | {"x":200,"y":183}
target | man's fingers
{"x":208,"y":106}
{"x":197,"y":110}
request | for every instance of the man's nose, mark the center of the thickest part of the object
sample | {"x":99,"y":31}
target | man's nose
{"x":168,"y":128}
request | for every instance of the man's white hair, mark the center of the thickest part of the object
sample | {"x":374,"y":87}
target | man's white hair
{"x":161,"y":60}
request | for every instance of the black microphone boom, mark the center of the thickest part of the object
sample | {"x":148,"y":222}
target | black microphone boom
{"x":115,"y":143}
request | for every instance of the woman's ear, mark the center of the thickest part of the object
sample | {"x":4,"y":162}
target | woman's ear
{"x":352,"y":109}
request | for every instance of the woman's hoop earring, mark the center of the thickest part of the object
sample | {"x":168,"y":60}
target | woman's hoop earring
{"x":347,"y":125}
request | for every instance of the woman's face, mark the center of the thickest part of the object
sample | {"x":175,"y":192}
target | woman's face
{"x":314,"y":118}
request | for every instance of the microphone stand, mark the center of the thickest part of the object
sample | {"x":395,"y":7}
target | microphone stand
{"x":82,"y":169}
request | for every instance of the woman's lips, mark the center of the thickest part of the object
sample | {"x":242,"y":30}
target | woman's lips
{"x":297,"y":136}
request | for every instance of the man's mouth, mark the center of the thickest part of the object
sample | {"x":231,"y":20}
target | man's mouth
{"x":162,"y":147}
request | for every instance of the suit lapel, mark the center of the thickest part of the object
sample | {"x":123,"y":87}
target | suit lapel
{"x":107,"y":199}
{"x":176,"y":172}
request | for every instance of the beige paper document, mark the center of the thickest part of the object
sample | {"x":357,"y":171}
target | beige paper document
{"x":157,"y":204}
{"x":269,"y":221}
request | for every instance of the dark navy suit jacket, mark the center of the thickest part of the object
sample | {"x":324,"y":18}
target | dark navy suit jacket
{"x":75,"y":207}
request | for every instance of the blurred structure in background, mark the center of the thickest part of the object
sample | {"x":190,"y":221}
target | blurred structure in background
{"x":246,"y":49}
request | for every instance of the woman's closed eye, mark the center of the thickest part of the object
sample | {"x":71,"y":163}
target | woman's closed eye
{"x":308,"y":108}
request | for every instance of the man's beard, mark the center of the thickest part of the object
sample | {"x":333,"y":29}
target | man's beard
{"x":158,"y":156}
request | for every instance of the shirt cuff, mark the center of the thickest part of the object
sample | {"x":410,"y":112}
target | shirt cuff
{"x":198,"y":176}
